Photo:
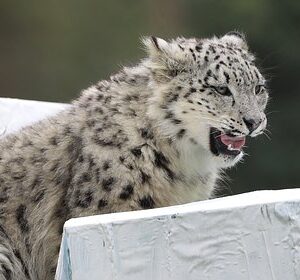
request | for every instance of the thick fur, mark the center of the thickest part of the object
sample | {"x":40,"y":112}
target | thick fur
{"x":137,"y":141}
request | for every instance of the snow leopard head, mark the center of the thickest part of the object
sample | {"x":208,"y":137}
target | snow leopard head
{"x":209,"y":92}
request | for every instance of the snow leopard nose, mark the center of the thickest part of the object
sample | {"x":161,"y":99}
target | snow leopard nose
{"x":251,"y":124}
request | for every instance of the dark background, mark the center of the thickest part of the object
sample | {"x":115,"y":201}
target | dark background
{"x":50,"y":50}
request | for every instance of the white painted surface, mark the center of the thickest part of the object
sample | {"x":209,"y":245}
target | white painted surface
{"x":18,"y":113}
{"x":253,"y":236}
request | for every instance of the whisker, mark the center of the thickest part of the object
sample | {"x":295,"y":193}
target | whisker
{"x":214,"y":120}
{"x":264,"y":133}
{"x":271,"y":112}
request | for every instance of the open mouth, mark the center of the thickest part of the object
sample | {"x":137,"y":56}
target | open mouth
{"x":225,"y":143}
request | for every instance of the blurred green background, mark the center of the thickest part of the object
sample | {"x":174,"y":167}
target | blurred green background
{"x":50,"y":50}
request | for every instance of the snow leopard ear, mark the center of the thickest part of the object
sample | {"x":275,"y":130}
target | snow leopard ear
{"x":236,"y":38}
{"x":155,"y":46}
{"x":166,"y":58}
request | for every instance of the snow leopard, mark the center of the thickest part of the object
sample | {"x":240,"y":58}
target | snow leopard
{"x":153,"y":135}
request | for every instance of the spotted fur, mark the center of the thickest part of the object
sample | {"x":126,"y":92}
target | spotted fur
{"x":137,"y":141}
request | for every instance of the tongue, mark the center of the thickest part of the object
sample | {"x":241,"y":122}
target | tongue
{"x":236,"y":142}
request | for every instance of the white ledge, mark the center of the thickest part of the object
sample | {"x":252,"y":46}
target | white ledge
{"x":249,"y":236}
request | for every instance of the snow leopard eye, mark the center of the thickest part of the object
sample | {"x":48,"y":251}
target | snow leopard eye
{"x":223,"y":91}
{"x":259,"y":89}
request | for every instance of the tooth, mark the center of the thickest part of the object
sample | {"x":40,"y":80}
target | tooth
{"x":230,"y":147}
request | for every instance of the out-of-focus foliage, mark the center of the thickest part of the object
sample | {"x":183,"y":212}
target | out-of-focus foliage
{"x":50,"y":50}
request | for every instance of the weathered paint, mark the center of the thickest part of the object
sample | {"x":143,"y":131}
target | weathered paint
{"x":250,"y":236}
